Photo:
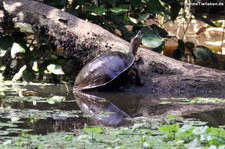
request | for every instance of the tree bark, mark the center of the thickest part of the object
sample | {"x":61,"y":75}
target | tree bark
{"x":84,"y":40}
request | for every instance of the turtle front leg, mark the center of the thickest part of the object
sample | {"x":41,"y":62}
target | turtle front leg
{"x":137,"y":73}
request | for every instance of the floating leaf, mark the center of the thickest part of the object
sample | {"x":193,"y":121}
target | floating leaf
{"x":55,"y":69}
{"x":90,"y":130}
{"x":35,"y":66}
{"x":9,"y":125}
{"x":169,"y":128}
{"x":200,"y":130}
{"x":149,"y":40}
{"x":15,"y":119}
{"x":185,"y":128}
{"x":172,"y":117}
{"x":205,"y":54}
{"x":28,"y":75}
{"x":7,"y":141}
{"x":19,"y":74}
{"x":55,"y":99}
{"x":16,"y":48}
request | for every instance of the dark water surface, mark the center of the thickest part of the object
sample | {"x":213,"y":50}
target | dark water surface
{"x":51,"y":108}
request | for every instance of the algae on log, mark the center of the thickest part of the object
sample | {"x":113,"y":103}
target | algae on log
{"x":84,"y":40}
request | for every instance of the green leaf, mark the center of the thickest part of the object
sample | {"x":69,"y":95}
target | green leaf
{"x":135,"y":2}
{"x":154,"y":6}
{"x":200,"y":130}
{"x":19,"y":74}
{"x":99,"y":11}
{"x":174,"y":11}
{"x":140,"y":18}
{"x":144,"y":16}
{"x":205,"y":54}
{"x":172,"y":117}
{"x":16,"y":48}
{"x":55,"y":99}
{"x":55,"y":69}
{"x":134,"y":20}
{"x":90,"y":130}
{"x":185,"y":128}
{"x":216,"y":131}
{"x":149,"y":40}
{"x":118,"y":9}
{"x":5,"y":43}
{"x":95,"y":10}
{"x":28,"y":75}
{"x":160,"y":48}
{"x":175,"y":7}
{"x":159,"y":31}
{"x":35,"y":66}
{"x":120,"y":20}
{"x":2,"y":52}
{"x":169,"y":128}
{"x":74,"y":12}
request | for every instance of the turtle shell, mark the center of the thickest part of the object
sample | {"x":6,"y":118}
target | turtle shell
{"x":102,"y":70}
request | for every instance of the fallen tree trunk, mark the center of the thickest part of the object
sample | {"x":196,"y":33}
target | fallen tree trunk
{"x":84,"y":40}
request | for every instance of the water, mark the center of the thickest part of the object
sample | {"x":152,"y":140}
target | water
{"x":52,"y":108}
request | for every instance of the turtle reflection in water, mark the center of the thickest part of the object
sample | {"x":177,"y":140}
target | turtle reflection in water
{"x":101,"y":111}
{"x":104,"y":69}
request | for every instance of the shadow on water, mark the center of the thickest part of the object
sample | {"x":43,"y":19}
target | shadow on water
{"x":46,"y":112}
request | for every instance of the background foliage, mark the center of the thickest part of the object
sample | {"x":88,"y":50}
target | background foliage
{"x":24,"y":57}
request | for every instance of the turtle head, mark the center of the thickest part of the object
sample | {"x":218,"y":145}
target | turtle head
{"x":135,"y":42}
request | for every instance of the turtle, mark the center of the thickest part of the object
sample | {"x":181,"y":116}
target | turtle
{"x":102,"y":70}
